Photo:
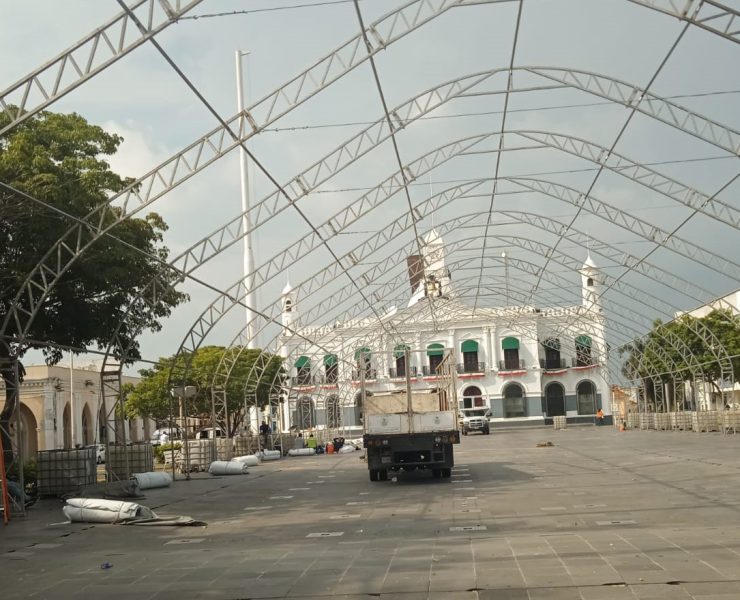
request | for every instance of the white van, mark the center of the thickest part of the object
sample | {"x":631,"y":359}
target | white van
{"x":209,"y":433}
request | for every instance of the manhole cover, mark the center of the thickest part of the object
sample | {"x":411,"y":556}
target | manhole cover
{"x":325,"y":534}
{"x":469,"y":528}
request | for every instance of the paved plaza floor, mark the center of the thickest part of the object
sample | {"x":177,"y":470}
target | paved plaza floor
{"x":600,"y":515}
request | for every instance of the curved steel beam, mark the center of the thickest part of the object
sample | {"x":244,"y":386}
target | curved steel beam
{"x":88,"y":57}
{"x":710,"y":15}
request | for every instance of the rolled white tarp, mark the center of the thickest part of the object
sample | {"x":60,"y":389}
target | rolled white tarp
{"x":301,"y":451}
{"x":271,"y":454}
{"x":251,"y":460}
{"x":152,"y":479}
{"x":345,"y":449}
{"x":98,"y":510}
{"x":227,"y":467}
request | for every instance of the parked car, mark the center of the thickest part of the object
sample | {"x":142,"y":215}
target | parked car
{"x":165,"y":435}
{"x":208,"y":433}
{"x":100,"y":453}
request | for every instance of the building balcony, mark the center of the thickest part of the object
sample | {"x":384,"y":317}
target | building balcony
{"x":369,"y":374}
{"x":471,"y":367}
{"x":553,"y":365}
{"x":301,"y":380}
{"x":397,"y":373}
{"x":511,"y":365}
{"x":585,"y":361}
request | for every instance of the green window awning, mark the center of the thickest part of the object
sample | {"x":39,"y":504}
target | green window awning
{"x":435,"y":350}
{"x":400,"y":350}
{"x":470,"y":346}
{"x":552,"y":343}
{"x":364,"y":351}
{"x":330,"y":359}
{"x":583,"y":340}
{"x":510,"y":343}
{"x":303,"y":361}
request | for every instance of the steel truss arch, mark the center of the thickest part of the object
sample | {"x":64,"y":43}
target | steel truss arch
{"x":457,"y":220}
{"x":423,"y":165}
{"x":615,"y":90}
{"x":88,"y":57}
{"x":710,"y":15}
{"x":59,"y":258}
{"x":540,"y":226}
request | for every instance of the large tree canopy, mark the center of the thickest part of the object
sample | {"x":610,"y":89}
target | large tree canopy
{"x":59,"y":159}
{"x":151,"y":398}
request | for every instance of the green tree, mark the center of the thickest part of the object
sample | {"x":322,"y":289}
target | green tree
{"x":151,"y":398}
{"x":654,"y":358}
{"x":60,"y":159}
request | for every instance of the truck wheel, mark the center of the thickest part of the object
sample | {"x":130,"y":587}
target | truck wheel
{"x":374,"y":475}
{"x":446,"y":472}
{"x":383,"y":475}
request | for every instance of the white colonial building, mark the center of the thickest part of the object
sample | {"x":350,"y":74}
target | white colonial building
{"x":526,"y":364}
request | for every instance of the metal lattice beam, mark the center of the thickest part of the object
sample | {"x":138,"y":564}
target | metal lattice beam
{"x":88,"y":57}
{"x":713,"y":16}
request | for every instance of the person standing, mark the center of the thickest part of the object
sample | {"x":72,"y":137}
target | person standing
{"x":599,"y":417}
{"x":311,"y":442}
{"x":264,"y":432}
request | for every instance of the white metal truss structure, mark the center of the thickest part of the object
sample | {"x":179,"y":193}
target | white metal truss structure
{"x":88,"y":57}
{"x":367,"y":275}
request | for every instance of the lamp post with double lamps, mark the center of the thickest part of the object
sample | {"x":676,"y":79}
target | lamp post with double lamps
{"x":182,"y":393}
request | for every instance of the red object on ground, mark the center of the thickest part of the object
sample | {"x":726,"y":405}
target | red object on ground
{"x":329,"y":448}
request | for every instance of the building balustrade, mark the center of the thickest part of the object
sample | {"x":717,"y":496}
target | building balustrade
{"x":471,"y":367}
{"x":511,"y":365}
{"x":369,"y":374}
{"x":553,"y":364}
{"x":396,"y":373}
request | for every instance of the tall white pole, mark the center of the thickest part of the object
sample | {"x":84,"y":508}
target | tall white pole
{"x":250,"y":296}
{"x":74,"y":433}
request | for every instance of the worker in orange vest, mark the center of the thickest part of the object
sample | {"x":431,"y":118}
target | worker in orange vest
{"x":599,"y":417}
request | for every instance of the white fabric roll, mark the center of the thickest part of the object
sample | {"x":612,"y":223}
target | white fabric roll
{"x":151,"y":480}
{"x":248,"y":459}
{"x":301,"y":451}
{"x":271,"y":454}
{"x":98,"y":510}
{"x":227,"y":467}
{"x":345,"y":449}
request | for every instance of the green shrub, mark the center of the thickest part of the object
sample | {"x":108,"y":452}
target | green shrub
{"x":162,"y":448}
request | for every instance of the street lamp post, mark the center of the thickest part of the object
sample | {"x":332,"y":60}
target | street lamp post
{"x":182,"y":393}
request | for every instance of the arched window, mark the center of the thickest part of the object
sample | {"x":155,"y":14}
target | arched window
{"x":586,"y":398}
{"x":331,"y":368}
{"x":472,"y":397}
{"x":399,"y":355}
{"x":305,"y":417}
{"x":514,"y":404}
{"x":552,"y":354}
{"x":590,"y":282}
{"x":511,"y":362}
{"x":554,"y":400}
{"x":435,"y":353}
{"x":469,"y":350}
{"x":303,"y":366}
{"x":333,"y":412}
{"x":583,"y":351}
{"x":363,"y":360}
{"x":288,"y":306}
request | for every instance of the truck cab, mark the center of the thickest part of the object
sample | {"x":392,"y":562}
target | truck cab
{"x":474,"y":419}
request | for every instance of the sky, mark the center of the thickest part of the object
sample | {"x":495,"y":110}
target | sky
{"x":143,"y":99}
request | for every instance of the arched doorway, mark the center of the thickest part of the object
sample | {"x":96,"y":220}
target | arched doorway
{"x":102,"y":425}
{"x":29,"y":442}
{"x":305,"y":417}
{"x":586,"y":398}
{"x":87,"y":426}
{"x":67,"y":426}
{"x":472,"y":397}
{"x":513,"y":397}
{"x":333,"y":412}
{"x":555,"y":400}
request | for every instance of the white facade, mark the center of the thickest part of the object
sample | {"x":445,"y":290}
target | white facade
{"x":501,"y":358}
